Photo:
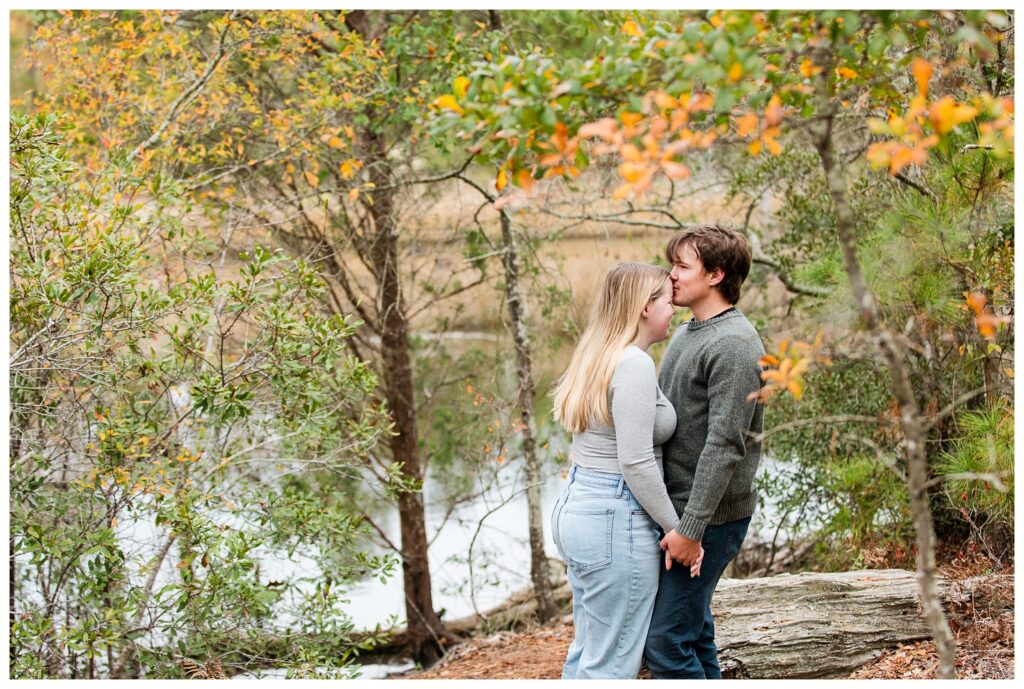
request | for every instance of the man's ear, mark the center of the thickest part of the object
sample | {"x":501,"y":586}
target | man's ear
{"x":716,"y":276}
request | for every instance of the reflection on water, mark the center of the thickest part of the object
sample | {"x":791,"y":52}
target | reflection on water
{"x":501,"y":554}
{"x":376,"y":671}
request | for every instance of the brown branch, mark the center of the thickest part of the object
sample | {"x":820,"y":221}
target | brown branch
{"x":191,"y":92}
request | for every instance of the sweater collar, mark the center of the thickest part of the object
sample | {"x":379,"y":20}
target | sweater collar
{"x":731,"y":312}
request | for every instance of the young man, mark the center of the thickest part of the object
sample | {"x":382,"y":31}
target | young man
{"x":709,"y":372}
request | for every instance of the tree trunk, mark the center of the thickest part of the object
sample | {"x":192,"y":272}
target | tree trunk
{"x":546,"y":608}
{"x":914,"y":434}
{"x":427,"y":635}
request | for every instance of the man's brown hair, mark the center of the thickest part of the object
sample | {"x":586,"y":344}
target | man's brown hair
{"x":717,"y":247}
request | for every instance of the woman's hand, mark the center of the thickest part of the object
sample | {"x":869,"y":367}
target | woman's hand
{"x":695,"y":567}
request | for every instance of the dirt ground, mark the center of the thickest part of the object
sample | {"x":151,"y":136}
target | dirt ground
{"x":984,"y":632}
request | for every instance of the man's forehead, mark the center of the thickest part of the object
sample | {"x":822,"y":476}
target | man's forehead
{"x":686,"y":253}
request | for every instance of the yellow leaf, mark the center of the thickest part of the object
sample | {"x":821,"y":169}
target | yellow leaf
{"x":502,"y":180}
{"x":847,"y":73}
{"x":769,"y":360}
{"x":311,"y":179}
{"x":460,"y":86}
{"x":795,"y":387}
{"x":773,"y":146}
{"x":336,"y":142}
{"x":1008,"y":372}
{"x":347,"y":169}
{"x":755,"y":147}
{"x":631,"y":28}
{"x":735,"y":72}
{"x":448,"y":102}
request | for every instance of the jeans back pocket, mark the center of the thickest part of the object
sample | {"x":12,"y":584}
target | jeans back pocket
{"x":586,"y":536}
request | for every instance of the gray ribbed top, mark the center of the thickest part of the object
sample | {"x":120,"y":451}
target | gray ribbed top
{"x":642,"y":419}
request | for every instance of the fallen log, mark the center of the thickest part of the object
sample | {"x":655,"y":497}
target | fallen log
{"x":809,"y":625}
{"x":818,"y":625}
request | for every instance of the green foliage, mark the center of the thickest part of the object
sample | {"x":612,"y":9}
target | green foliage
{"x":983,"y":447}
{"x":155,"y":413}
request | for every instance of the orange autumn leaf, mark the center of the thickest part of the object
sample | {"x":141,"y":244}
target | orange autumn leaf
{"x":631,"y":172}
{"x":922,"y":71}
{"x":630,"y":119}
{"x":946,"y":113}
{"x":448,"y":102}
{"x":746,"y":125}
{"x":525,"y":180}
{"x":735,"y":72}
{"x":347,"y":169}
{"x":502,"y":181}
{"x":631,"y":28}
{"x":631,"y":153}
{"x":665,"y":101}
{"x":977,"y":301}
{"x":808,"y":68}
{"x":604,"y":128}
{"x":675,"y":170}
{"x":622,"y":192}
{"x":773,"y":112}
{"x":311,"y":179}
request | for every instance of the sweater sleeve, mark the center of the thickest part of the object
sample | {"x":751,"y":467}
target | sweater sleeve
{"x":634,"y":390}
{"x":733,"y":373}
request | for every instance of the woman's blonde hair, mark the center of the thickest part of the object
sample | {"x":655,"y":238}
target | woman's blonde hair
{"x":581,"y":394}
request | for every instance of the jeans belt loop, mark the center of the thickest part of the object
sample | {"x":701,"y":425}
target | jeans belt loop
{"x":618,"y":489}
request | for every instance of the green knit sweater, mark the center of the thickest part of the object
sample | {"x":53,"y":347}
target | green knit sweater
{"x":709,"y":371}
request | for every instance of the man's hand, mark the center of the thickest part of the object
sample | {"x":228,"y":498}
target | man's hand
{"x":681,"y":549}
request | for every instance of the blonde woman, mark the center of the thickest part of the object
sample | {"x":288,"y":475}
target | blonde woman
{"x":606,"y":522}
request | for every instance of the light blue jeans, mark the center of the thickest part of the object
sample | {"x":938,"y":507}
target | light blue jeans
{"x":613,"y":550}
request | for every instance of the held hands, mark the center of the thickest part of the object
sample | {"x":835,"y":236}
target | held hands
{"x":681,"y":549}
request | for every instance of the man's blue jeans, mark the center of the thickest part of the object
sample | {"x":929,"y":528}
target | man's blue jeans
{"x":681,"y":638}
